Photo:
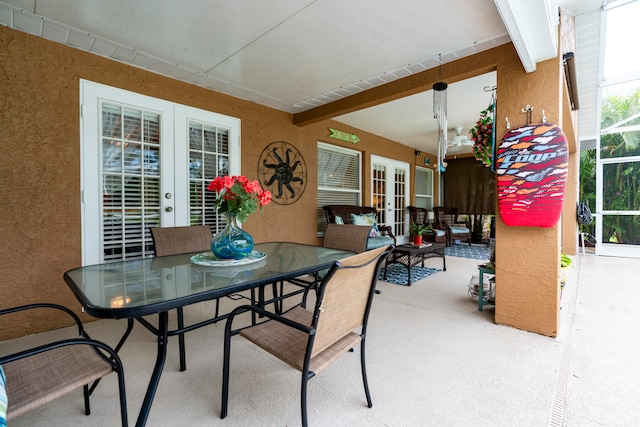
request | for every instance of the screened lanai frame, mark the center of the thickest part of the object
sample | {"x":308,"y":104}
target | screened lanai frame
{"x":617,"y":209}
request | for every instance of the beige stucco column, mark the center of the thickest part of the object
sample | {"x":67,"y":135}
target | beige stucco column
{"x":528,"y":258}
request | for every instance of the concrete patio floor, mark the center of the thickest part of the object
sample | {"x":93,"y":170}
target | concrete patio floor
{"x":433,"y":360}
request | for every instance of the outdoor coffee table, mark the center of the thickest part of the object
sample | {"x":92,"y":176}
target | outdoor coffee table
{"x":411,"y":255}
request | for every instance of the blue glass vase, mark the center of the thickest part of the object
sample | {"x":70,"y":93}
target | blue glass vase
{"x":232,"y":242}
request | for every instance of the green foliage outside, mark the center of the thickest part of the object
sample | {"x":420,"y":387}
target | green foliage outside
{"x":621,"y":181}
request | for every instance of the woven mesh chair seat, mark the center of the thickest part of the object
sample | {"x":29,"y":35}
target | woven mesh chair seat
{"x":289,"y":344}
{"x":39,"y":379}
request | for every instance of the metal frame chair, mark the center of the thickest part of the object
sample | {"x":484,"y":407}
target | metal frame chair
{"x":187,"y":239}
{"x":309,"y":341}
{"x":347,"y":237}
{"x":39,"y":375}
{"x":182,"y":240}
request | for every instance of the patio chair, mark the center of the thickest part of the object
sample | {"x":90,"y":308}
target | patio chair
{"x":346,"y":237}
{"x":309,"y":341}
{"x":421,"y":216}
{"x":181,"y":240}
{"x":447,"y":219}
{"x":187,"y":239}
{"x":41,"y":374}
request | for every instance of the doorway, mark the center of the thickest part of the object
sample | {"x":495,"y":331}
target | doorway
{"x":390,"y":194}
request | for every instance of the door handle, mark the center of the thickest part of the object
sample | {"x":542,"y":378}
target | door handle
{"x":168,"y":209}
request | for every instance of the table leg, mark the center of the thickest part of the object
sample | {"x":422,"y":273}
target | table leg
{"x":480,"y":286}
{"x":181,"y":344}
{"x":163,"y":328}
{"x":125,"y":336}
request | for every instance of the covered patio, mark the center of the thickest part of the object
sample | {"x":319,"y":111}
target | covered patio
{"x":433,"y":359}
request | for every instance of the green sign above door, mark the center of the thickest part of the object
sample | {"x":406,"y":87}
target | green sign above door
{"x":344,"y":136}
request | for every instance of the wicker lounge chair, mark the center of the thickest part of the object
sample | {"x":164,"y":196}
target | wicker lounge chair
{"x":447,"y":219}
{"x":420,"y":216}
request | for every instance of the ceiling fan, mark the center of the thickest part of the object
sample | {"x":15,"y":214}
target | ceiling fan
{"x":458,"y":141}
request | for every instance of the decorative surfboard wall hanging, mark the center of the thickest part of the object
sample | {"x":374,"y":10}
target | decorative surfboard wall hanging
{"x":532,"y":167}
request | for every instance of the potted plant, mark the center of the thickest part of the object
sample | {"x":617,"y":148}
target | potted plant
{"x":481,"y":135}
{"x":565,"y":263}
{"x":417,"y":230}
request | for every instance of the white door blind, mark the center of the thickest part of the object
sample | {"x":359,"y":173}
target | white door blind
{"x":131,"y":180}
{"x":208,"y":158}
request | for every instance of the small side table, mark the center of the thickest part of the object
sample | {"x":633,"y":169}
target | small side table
{"x":482,"y":270}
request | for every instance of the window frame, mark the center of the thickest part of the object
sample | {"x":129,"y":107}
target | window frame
{"x":426,"y":196}
{"x":322,"y":223}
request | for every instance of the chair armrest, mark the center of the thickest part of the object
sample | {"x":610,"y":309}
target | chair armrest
{"x":68,"y":311}
{"x":113,"y":356}
{"x":387,"y":230}
{"x":271,"y":316}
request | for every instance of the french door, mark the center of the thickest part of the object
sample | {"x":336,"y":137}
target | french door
{"x":146,"y":163}
{"x":390,"y":194}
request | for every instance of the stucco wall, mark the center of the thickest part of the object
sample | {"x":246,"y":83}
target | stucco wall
{"x":40,"y":164}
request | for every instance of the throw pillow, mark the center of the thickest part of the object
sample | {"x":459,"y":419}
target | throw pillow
{"x":369,"y":220}
{"x":339,"y":220}
{"x":3,"y":399}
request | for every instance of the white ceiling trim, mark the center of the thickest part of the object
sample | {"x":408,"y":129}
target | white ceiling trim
{"x":532,"y":25}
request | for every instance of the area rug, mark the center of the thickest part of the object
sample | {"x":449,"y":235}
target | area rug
{"x":463,"y":250}
{"x":397,"y":274}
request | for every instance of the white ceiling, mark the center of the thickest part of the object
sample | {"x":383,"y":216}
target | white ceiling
{"x":292,"y":55}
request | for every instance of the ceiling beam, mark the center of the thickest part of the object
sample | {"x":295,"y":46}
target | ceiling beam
{"x":454,"y":71}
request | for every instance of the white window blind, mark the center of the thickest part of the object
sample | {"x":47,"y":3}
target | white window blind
{"x":131,"y":180}
{"x":339,"y":179}
{"x":424,"y":188}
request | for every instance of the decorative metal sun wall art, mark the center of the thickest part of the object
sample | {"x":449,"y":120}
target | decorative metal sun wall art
{"x":282,"y":170}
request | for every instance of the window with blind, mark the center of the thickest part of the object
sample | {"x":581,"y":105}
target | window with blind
{"x":424,"y":188}
{"x":339,"y":179}
{"x":147,"y":163}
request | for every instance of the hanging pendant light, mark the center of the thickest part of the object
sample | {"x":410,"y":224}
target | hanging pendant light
{"x":440,"y":114}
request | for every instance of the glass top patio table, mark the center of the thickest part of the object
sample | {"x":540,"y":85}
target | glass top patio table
{"x":135,"y":288}
{"x":140,"y":287}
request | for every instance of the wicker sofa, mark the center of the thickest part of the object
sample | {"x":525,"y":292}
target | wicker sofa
{"x":337,"y":214}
